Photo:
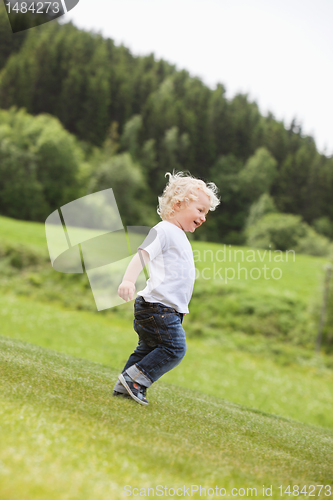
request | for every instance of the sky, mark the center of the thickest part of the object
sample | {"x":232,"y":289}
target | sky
{"x":279,"y":52}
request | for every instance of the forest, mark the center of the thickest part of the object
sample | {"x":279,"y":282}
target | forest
{"x":79,"y":114}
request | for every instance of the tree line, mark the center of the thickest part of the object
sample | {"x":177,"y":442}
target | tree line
{"x":128,"y":120}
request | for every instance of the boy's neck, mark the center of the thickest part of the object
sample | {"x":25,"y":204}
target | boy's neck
{"x":174,"y":222}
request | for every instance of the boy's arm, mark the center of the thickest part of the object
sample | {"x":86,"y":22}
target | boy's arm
{"x":126,"y":289}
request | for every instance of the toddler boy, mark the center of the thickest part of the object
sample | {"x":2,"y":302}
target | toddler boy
{"x":159,"y":309}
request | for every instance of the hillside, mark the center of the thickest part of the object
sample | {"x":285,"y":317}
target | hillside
{"x":250,"y":341}
{"x":247,"y":407}
{"x":277,"y":295}
{"x":65,"y":437}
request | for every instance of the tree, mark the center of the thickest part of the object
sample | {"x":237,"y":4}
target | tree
{"x":229,"y":217}
{"x":166,"y":119}
{"x":130,"y":136}
{"x":40,"y":163}
{"x":9,"y":43}
{"x":125,"y":177}
{"x":21,"y":194}
{"x":174,"y":149}
{"x":258,"y":174}
{"x":296,"y":181}
{"x":324,"y":226}
{"x":275,"y":138}
{"x":218,"y":123}
{"x":160,"y":111}
{"x":264,"y":205}
{"x":246,"y":126}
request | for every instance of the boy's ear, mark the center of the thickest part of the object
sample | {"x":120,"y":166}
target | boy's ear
{"x":177,"y":206}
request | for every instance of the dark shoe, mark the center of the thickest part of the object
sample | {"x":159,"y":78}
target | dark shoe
{"x":119,"y":390}
{"x":135,"y":390}
{"x":123,"y":394}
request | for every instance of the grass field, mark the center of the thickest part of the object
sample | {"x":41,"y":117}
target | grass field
{"x":250,"y":405}
{"x":217,"y":366}
{"x":64,"y":436}
{"x":24,"y":233}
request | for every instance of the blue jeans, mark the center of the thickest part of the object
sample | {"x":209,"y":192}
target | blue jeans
{"x":162,"y":343}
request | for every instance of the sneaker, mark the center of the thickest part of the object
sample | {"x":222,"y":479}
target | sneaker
{"x":135,"y":390}
{"x":119,"y":390}
{"x":123,"y":394}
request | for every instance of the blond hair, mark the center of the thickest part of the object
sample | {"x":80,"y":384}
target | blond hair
{"x":183,"y":188}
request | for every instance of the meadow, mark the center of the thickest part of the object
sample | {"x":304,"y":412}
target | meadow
{"x":250,"y":405}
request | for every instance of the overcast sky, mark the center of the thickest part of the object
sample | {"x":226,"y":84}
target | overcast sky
{"x":280,"y":52}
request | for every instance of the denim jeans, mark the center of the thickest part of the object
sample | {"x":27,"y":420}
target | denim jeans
{"x":162,"y":343}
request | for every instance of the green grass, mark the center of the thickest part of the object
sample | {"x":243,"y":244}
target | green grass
{"x":293,"y":275}
{"x":232,"y":367}
{"x":285,"y":309}
{"x":250,"y":404}
{"x":31,"y":234}
{"x":63,"y":436}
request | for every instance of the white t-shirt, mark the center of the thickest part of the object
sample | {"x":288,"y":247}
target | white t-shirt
{"x":171,"y":267}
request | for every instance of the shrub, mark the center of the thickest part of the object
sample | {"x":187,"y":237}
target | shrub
{"x":286,"y":231}
{"x":277,"y":231}
{"x":20,"y":256}
{"x":264,"y":205}
{"x":324,"y":226}
{"x":314,"y":244}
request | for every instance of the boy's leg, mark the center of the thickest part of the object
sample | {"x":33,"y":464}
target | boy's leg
{"x":162,"y":346}
{"x":140,"y":352}
{"x":160,"y":328}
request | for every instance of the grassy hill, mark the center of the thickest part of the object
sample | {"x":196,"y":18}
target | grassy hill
{"x":237,"y":368}
{"x":274,"y":295}
{"x":63,"y":436}
{"x":250,"y":405}
{"x":25,"y":233}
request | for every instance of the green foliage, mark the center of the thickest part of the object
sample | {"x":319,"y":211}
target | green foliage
{"x":166,"y":120}
{"x":264,"y":205}
{"x":276,"y":138}
{"x":39,"y":165}
{"x":304,"y":181}
{"x":125,"y":177}
{"x":246,"y":126}
{"x":130,"y":136}
{"x":328,"y":325}
{"x":276,"y":231}
{"x":285,"y":231}
{"x":21,"y":194}
{"x":258,"y":174}
{"x":19,"y":257}
{"x":239,"y":185}
{"x":9,"y":43}
{"x":174,"y":150}
{"x":324,"y":226}
{"x":148,"y":156}
{"x":314,"y":244}
{"x":227,"y":221}
{"x":79,"y":77}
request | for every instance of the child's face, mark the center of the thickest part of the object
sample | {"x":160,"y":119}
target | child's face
{"x":193,"y":215}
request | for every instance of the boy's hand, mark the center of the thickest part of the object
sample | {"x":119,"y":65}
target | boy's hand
{"x":126,"y":290}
